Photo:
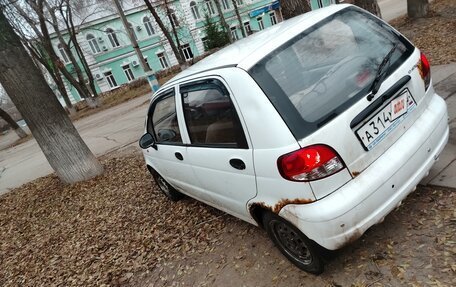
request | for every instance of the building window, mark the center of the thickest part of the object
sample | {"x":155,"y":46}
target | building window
{"x":247,"y":27}
{"x":187,"y":51}
{"x":239,"y":2}
{"x":273,"y":18}
{"x":195,"y":11}
{"x":226,"y":4}
{"x":173,"y":17}
{"x":234,"y":34}
{"x":112,"y":37}
{"x":110,"y":78}
{"x":63,"y":53}
{"x":204,"y":41}
{"x":147,"y":62}
{"x":128,"y":73}
{"x":148,"y":24}
{"x":162,"y":59}
{"x":260,"y":23}
{"x":210,"y":7}
{"x":132,"y":29}
{"x":320,"y":3}
{"x":93,"y":44}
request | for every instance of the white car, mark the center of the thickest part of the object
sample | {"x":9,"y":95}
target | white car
{"x":314,"y":129}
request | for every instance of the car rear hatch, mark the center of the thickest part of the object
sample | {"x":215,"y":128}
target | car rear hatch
{"x":322,"y":82}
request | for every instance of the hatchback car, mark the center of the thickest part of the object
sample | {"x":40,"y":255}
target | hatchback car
{"x":314,"y":129}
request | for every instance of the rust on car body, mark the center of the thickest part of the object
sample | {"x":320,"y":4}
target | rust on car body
{"x":279,"y":205}
{"x":355,"y":173}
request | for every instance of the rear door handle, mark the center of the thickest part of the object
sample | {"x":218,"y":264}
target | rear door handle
{"x":237,"y":163}
{"x":179,"y":156}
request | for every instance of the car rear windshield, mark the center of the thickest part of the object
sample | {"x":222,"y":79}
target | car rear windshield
{"x":317,"y":75}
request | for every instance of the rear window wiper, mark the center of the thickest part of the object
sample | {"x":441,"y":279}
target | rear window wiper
{"x":381,"y":72}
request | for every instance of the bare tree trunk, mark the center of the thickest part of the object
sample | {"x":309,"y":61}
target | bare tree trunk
{"x":369,"y":5}
{"x":59,"y":140}
{"x":417,"y":8}
{"x":177,"y":53}
{"x":223,"y":21}
{"x":86,"y":93}
{"x":19,"y":131}
{"x":94,"y":101}
{"x":238,"y":16}
{"x":49,"y":65}
{"x":292,"y":8}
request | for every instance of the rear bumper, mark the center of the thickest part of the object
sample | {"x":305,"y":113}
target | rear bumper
{"x":347,"y":213}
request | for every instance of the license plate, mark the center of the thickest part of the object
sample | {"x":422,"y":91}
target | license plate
{"x":386,"y":120}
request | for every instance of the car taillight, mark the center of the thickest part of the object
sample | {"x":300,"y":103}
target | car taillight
{"x":310,"y":163}
{"x":425,"y":71}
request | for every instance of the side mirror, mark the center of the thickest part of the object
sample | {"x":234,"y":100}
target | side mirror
{"x":146,"y":141}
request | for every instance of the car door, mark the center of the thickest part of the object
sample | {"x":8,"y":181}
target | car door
{"x":169,"y":158}
{"x":219,"y":151}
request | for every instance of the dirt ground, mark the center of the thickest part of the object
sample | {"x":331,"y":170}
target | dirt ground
{"x":118,"y":230}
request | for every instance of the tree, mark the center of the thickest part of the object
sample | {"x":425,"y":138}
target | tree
{"x":215,"y":37}
{"x":417,"y":8}
{"x":369,"y":5}
{"x":59,"y":140}
{"x":225,"y":26}
{"x":34,"y":43}
{"x":238,"y":16}
{"x":176,"y":51}
{"x":19,"y":131}
{"x":292,"y":8}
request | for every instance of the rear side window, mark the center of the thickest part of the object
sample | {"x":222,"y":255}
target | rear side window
{"x":320,"y":73}
{"x":163,"y":122}
{"x":210,"y":115}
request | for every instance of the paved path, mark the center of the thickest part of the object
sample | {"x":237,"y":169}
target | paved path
{"x":103,"y":132}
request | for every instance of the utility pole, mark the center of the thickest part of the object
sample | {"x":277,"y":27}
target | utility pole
{"x":147,"y":70}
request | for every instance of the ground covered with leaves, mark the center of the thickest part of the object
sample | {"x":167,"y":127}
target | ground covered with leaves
{"x":435,"y":35}
{"x":118,"y":230}
{"x":97,"y":232}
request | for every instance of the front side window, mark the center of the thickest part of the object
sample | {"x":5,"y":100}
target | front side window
{"x":93,"y":44}
{"x":162,"y":121}
{"x":187,"y":51}
{"x":210,"y":115}
{"x":148,"y":24}
{"x":111,"y":80}
{"x":128,"y":73}
{"x":320,"y":73}
{"x":112,"y":38}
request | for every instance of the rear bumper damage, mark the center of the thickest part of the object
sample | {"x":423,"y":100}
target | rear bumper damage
{"x":343,"y":216}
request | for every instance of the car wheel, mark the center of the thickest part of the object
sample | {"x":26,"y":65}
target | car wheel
{"x":300,"y":250}
{"x":169,"y":191}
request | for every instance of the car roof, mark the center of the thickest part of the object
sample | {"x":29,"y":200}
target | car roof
{"x":248,"y":51}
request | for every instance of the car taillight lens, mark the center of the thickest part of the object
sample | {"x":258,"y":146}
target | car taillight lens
{"x":310,"y":163}
{"x":425,"y":71}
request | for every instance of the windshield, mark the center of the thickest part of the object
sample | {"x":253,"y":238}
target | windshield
{"x":320,"y":73}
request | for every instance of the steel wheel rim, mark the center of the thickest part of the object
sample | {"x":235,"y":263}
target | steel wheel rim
{"x":163,"y":184}
{"x":291,"y":242}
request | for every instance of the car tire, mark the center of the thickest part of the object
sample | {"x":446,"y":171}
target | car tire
{"x":294,"y":245}
{"x":170,"y":192}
